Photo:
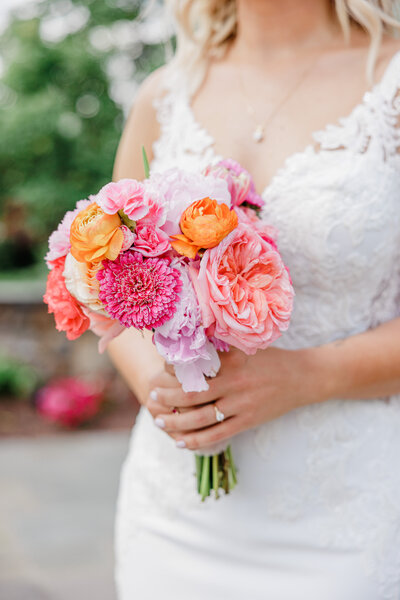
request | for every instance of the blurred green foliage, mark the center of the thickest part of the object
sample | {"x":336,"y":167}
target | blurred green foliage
{"x":59,"y":127}
{"x":17,"y":380}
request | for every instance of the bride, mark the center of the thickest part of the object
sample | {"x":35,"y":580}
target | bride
{"x":306,"y":96}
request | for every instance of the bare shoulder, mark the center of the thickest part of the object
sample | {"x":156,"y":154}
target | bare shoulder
{"x":141,"y":129}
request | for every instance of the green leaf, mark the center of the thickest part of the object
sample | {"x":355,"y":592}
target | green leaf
{"x":145,"y":163}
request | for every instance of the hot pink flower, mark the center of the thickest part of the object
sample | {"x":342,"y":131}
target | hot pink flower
{"x":240,"y":182}
{"x":244,"y":291}
{"x":139,"y":292}
{"x":59,"y":242}
{"x":69,"y":401}
{"x":126,"y":195}
{"x":150,"y":240}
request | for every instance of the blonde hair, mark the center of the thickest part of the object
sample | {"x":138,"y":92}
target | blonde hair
{"x":206,"y":27}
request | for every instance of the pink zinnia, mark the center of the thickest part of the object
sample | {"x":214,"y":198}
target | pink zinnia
{"x":139,"y":292}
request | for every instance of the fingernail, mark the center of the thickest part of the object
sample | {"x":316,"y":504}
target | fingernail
{"x":154,"y":395}
{"x":180,"y":444}
{"x":159,"y":422}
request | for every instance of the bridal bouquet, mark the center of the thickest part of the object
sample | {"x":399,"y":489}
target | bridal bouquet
{"x":184,"y":255}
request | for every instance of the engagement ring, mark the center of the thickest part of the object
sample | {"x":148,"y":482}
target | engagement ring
{"x":218,"y":414}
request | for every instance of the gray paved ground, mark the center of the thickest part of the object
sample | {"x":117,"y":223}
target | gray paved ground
{"x":57,"y":502}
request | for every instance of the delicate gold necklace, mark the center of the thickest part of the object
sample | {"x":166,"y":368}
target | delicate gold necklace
{"x":258,"y":134}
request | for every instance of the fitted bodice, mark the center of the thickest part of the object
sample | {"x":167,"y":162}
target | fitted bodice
{"x":336,"y":206}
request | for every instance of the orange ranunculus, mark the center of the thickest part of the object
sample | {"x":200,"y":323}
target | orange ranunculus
{"x":95,"y":235}
{"x":203,"y":224}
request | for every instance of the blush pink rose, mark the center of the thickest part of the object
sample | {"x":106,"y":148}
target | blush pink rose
{"x":244,"y":290}
{"x":127,"y":195}
{"x":150,"y":240}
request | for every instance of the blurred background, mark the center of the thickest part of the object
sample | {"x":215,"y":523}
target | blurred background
{"x":69,"y":72}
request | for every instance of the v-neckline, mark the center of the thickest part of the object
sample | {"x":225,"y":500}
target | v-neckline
{"x":310,"y":147}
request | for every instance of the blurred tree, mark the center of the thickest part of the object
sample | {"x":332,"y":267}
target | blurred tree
{"x":59,"y":124}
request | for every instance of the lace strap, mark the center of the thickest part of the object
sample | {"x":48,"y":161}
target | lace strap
{"x":390,"y":83}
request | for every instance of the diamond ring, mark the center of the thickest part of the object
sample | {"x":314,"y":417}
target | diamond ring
{"x":218,"y":414}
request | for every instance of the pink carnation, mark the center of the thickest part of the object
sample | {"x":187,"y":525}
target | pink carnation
{"x":59,"y":243}
{"x":240,"y":182}
{"x":129,"y":238}
{"x":244,"y":291}
{"x":126,"y":195}
{"x":150,"y":240}
{"x":139,"y":292}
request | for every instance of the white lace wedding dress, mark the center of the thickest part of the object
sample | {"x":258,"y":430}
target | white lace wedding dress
{"x":316,"y":514}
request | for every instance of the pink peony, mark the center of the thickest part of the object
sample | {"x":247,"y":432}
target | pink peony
{"x":139,"y":292}
{"x":59,"y":242}
{"x":240,"y":182}
{"x":68,"y":313}
{"x":179,"y":189}
{"x":126,"y":195}
{"x":244,"y":291}
{"x":182,"y":341}
{"x":150,"y":240}
{"x":105,"y":328}
{"x":69,"y":401}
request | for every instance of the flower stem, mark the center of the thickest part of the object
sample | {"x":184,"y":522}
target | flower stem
{"x":205,"y":478}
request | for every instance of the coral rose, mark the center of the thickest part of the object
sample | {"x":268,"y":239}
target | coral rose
{"x":68,"y":314}
{"x":203,"y":224}
{"x":95,"y":235}
{"x":244,"y":291}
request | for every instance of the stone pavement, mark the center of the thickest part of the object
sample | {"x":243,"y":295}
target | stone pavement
{"x":57,"y":503}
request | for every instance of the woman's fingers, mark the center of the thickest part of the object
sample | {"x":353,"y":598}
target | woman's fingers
{"x":198,"y":418}
{"x":204,"y":438}
{"x":176,"y":397}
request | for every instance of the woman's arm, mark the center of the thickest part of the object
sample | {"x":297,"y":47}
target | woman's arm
{"x":251,"y":390}
{"x":133,"y":353}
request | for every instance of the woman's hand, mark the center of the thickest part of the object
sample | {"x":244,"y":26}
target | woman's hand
{"x":248,"y":390}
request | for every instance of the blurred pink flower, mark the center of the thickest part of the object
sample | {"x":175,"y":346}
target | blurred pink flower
{"x":240,"y":182}
{"x":244,"y":291}
{"x":139,"y":292}
{"x":59,"y":243}
{"x":126,"y":195}
{"x":69,"y":401}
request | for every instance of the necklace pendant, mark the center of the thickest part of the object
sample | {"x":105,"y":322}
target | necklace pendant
{"x":258,"y":134}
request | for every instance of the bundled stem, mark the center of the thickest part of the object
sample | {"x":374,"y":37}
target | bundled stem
{"x":214,"y":473}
